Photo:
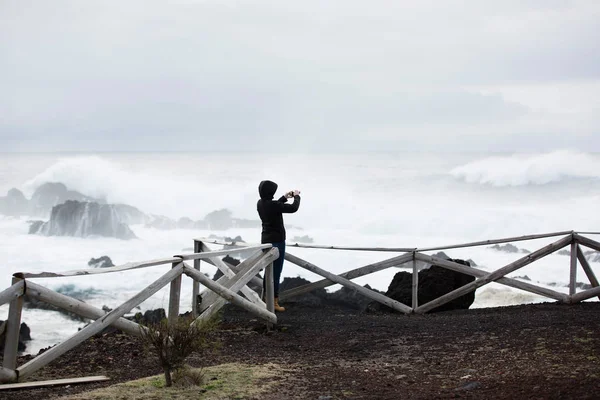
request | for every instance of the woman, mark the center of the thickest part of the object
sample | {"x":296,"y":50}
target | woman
{"x":271,"y":214}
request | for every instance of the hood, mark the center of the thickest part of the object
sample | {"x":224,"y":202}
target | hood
{"x":267,"y":189}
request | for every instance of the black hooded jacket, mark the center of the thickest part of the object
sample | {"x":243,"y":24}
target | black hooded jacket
{"x":271,"y":211}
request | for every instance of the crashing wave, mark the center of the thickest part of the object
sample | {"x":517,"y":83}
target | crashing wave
{"x":83,"y":219}
{"x":536,"y":169}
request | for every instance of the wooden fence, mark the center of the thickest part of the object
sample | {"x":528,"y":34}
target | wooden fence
{"x":568,"y":238}
{"x":236,"y":278}
{"x":217,"y":293}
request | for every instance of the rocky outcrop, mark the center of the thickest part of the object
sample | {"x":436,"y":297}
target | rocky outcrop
{"x":14,"y":203}
{"x":590,"y":255}
{"x":185,"y":223}
{"x":350,"y":298}
{"x":219,"y":220}
{"x":303,"y":239}
{"x":51,"y":194}
{"x":509,"y":248}
{"x":161,"y":222}
{"x":78,"y":219}
{"x":313,"y":299}
{"x":150,"y":317}
{"x":130,"y":215}
{"x":24,"y":336}
{"x":433,"y":283}
{"x":101,"y":262}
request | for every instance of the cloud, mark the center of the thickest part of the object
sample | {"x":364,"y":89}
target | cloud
{"x":247,"y":74}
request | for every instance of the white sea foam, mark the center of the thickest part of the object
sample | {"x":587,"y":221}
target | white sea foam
{"x":535,"y":169}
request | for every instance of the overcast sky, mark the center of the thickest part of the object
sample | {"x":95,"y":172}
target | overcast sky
{"x":311,"y":75}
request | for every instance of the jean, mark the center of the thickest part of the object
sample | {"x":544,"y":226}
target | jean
{"x":277,"y":268}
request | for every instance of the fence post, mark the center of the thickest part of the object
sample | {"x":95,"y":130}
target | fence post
{"x":415,"y":283}
{"x":196,"y":284}
{"x":573,"y":278}
{"x":13,"y":326}
{"x":270,"y":292}
{"x":174,"y":297}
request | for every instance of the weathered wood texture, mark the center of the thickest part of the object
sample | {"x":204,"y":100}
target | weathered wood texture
{"x":96,"y":271}
{"x":55,"y":382}
{"x":396,"y":305}
{"x":174,"y":297}
{"x":415,"y":283}
{"x":249,"y":293}
{"x":195,"y":284}
{"x":587,"y":269}
{"x":315,"y":246}
{"x":219,"y":253}
{"x":493,"y":276}
{"x":12,"y":292}
{"x":269,"y":288}
{"x":587,"y":242}
{"x":478,"y":273}
{"x":13,"y":326}
{"x":79,"y":307}
{"x":573,"y":269}
{"x":209,"y":297}
{"x":586,"y":294}
{"x":495,"y":241}
{"x":231,"y":296}
{"x":235,"y":268}
{"x":242,"y":278}
{"x":355,"y":273}
{"x":98,"y":325}
{"x":7,"y":375}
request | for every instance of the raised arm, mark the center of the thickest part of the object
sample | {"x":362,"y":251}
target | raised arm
{"x":291,"y":208}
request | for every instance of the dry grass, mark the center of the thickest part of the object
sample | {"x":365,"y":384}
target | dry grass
{"x":225,"y":381}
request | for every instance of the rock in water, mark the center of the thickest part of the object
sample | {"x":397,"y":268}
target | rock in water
{"x":433,"y":283}
{"x":24,"y":336}
{"x":102,"y":262}
{"x":51,"y":194}
{"x":14,"y":203}
{"x":74,"y":218}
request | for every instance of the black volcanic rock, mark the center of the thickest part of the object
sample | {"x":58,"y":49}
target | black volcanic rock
{"x":350,"y":298}
{"x":24,"y":336}
{"x":150,"y":317}
{"x":14,"y":203}
{"x":35,"y":226}
{"x":74,"y":218}
{"x":313,"y":299}
{"x":433,"y":283}
{"x":101,"y":262}
{"x":51,"y":194}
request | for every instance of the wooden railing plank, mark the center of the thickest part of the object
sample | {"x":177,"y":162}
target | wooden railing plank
{"x":98,"y":325}
{"x":396,"y":305}
{"x":493,"y":276}
{"x":355,"y":273}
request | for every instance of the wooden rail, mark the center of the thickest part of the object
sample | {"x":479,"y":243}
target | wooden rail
{"x":262,"y":257}
{"x":572,"y":238}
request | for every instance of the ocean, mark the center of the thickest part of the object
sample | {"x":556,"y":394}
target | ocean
{"x":370,"y":200}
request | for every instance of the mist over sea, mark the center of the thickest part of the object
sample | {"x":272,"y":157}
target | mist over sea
{"x":376,"y":199}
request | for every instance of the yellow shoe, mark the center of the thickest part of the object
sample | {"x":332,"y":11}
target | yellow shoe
{"x":278,"y":308}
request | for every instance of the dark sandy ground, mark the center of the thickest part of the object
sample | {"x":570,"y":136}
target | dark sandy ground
{"x":545,"y":351}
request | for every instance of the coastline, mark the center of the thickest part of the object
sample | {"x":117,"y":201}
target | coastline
{"x":544,"y":351}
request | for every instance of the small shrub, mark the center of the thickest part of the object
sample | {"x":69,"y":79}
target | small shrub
{"x":173,"y":343}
